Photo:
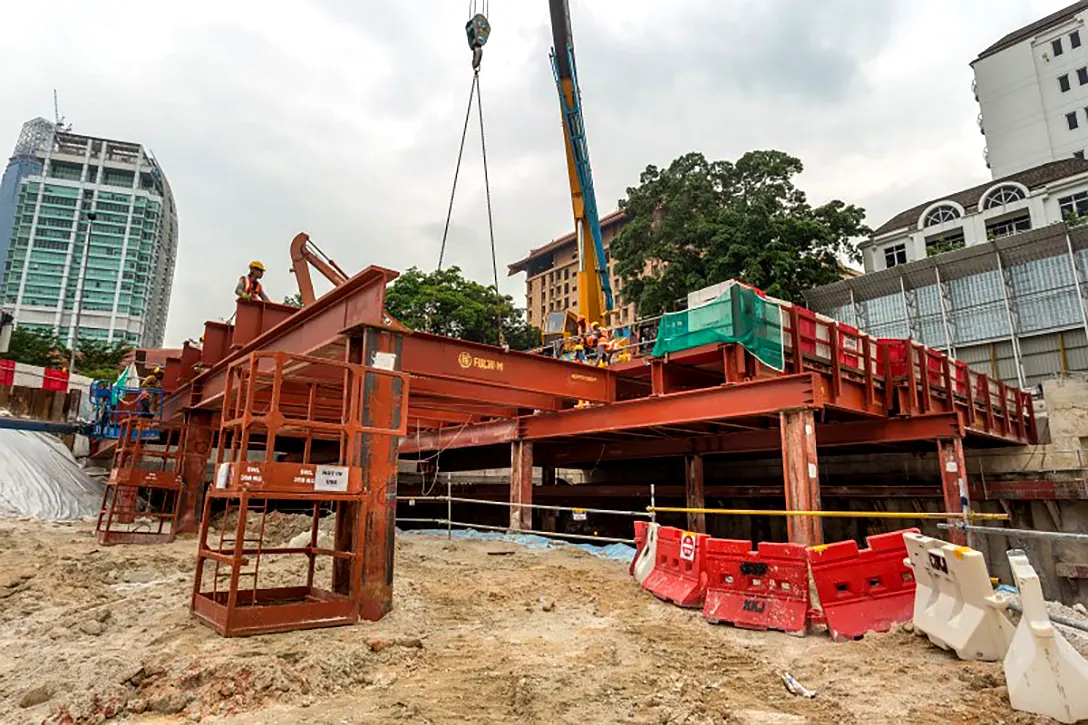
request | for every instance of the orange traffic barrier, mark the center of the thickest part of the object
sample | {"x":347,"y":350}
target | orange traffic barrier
{"x":678,"y":575}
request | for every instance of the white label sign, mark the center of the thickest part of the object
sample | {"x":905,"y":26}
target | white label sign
{"x":222,"y":475}
{"x":951,"y":467}
{"x":579,"y":514}
{"x":687,"y":546}
{"x":813,"y":472}
{"x":333,"y":479}
{"x":384,"y":361}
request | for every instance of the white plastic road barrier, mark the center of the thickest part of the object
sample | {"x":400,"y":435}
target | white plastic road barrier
{"x":645,"y":562}
{"x":1045,"y":675}
{"x":954,"y":603}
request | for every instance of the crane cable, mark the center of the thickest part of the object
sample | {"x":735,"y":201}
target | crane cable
{"x":474,"y":91}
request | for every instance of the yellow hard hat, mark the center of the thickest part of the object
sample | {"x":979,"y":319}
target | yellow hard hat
{"x":256,"y":264}
{"x":158,"y":371}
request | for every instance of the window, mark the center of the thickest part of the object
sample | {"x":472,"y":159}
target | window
{"x":1063,"y":82}
{"x":1071,"y":120}
{"x":941,"y":214}
{"x":1003,"y":195}
{"x":895,"y":254}
{"x":1008,"y":226}
{"x":945,"y":242}
{"x":1076,"y":204}
{"x":1074,"y":39}
{"x":1082,"y":76}
{"x":1056,"y":46}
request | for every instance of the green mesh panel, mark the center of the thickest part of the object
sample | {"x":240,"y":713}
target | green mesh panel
{"x":738,"y":315}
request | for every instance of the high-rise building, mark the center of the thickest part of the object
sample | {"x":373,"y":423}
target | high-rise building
{"x":93,"y":240}
{"x":24,"y":162}
{"x":1032,"y":90}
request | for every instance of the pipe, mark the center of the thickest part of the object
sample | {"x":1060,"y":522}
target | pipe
{"x":1056,"y":618}
{"x":925,"y":516}
{"x":1020,"y":533}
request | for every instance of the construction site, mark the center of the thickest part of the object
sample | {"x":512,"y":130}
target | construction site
{"x":742,"y":511}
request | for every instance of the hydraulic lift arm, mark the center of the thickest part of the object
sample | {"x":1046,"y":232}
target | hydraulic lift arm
{"x":594,"y":290}
{"x":305,"y":253}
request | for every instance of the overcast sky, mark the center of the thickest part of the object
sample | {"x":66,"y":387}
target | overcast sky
{"x":342,"y":118}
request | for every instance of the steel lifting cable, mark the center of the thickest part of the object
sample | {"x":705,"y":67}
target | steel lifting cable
{"x":474,"y":90}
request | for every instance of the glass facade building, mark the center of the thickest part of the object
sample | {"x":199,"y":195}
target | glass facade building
{"x":93,"y":243}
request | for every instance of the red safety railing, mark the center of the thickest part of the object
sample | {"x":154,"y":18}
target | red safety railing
{"x":319,"y":411}
{"x":140,"y":501}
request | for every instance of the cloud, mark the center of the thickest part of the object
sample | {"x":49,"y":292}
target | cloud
{"x":343,"y":118}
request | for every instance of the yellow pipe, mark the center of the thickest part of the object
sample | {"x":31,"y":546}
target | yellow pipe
{"x":926,"y":516}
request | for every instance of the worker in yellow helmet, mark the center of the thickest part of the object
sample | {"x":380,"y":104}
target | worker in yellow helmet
{"x":151,"y":385}
{"x":249,"y":285}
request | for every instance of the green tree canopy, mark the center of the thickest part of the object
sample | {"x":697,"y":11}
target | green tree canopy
{"x":294,"y":300}
{"x":36,"y":347}
{"x":445,"y":303}
{"x":701,"y":222}
{"x":94,"y":358}
{"x":100,"y":360}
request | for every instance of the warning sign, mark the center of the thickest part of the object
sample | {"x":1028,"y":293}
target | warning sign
{"x":687,"y":546}
{"x":579,"y":514}
{"x":331,"y":479}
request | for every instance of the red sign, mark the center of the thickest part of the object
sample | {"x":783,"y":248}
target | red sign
{"x":687,"y":546}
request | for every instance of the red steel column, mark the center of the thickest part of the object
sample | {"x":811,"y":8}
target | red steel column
{"x":953,"y":481}
{"x":695,"y":492}
{"x":383,"y":400}
{"x":801,"y":472}
{"x":521,"y":484}
{"x":194,"y":466}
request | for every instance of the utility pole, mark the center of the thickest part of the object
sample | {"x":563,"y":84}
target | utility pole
{"x":81,"y":286}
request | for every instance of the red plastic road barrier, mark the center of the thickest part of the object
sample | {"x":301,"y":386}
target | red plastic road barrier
{"x":640,"y":541}
{"x":55,"y":380}
{"x":864,"y":590}
{"x":678,"y":574}
{"x":7,"y":373}
{"x":762,"y":589}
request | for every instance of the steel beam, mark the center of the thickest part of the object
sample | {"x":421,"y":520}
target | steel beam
{"x":195,"y":454}
{"x":801,"y":472}
{"x":469,"y":436}
{"x":521,"y":485}
{"x":757,"y":398}
{"x":695,"y":493}
{"x":953,"y":481}
{"x":465,"y":392}
{"x":890,"y":430}
{"x":588,"y":493}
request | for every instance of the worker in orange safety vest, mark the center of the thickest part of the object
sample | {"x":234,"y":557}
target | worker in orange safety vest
{"x":249,"y":285}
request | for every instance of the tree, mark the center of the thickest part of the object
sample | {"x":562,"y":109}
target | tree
{"x":36,"y":347}
{"x":100,"y":360}
{"x":445,"y":303}
{"x":701,"y":222}
{"x":294,"y":300}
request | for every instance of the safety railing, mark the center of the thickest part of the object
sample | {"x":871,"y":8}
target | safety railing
{"x":141,"y":498}
{"x":331,"y":414}
{"x":577,"y":515}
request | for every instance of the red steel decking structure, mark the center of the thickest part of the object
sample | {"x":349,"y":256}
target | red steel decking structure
{"x":483,"y":406}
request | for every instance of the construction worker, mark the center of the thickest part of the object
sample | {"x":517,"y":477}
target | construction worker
{"x":152,"y":383}
{"x":249,"y":285}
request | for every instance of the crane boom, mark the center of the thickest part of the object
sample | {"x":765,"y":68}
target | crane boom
{"x":304,"y":253}
{"x":594,"y":290}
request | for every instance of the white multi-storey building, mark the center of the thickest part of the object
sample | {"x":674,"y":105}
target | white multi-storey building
{"x":1031,"y":199}
{"x":1032,"y":89}
{"x":93,"y":242}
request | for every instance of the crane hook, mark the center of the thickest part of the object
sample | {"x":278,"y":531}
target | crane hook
{"x":478,"y":29}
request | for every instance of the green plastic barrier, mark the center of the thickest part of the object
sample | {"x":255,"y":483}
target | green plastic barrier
{"x":739,"y":315}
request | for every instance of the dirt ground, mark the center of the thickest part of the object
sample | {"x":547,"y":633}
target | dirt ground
{"x":482,"y":632}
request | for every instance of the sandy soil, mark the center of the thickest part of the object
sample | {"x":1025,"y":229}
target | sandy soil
{"x":90,"y":634}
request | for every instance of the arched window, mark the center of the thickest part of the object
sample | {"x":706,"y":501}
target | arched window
{"x":941,"y":214}
{"x":1003,"y":195}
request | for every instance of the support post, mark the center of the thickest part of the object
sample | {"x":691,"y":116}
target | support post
{"x":953,"y":482}
{"x":194,"y":466}
{"x":695,"y":490}
{"x":801,"y":472}
{"x":521,"y":485}
{"x":383,"y":398}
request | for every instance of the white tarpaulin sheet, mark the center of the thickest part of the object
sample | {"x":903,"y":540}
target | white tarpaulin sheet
{"x":40,"y":478}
